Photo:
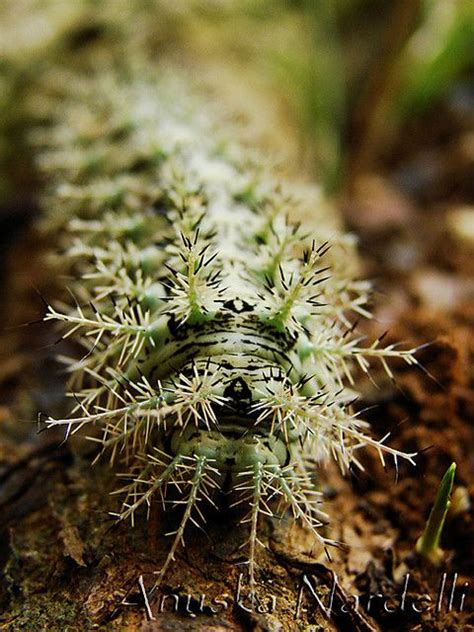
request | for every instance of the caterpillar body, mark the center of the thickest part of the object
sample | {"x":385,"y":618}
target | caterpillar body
{"x":218,"y":334}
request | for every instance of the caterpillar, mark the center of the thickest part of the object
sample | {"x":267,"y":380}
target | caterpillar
{"x":219,"y":347}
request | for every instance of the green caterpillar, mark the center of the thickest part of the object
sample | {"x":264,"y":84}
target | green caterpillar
{"x":218,"y":339}
{"x":217,"y":332}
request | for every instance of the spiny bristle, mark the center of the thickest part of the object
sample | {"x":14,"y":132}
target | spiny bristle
{"x":218,"y":334}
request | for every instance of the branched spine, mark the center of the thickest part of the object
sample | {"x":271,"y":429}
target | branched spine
{"x":219,"y":336}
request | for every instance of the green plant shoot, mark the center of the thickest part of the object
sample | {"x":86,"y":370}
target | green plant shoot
{"x":428,"y":544}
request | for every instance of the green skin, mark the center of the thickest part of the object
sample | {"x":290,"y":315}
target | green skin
{"x":242,"y":351}
{"x":230,"y":452}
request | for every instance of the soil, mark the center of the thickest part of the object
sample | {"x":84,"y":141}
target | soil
{"x":67,"y":566}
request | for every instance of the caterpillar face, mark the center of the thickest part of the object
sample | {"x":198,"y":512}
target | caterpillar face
{"x":219,"y":349}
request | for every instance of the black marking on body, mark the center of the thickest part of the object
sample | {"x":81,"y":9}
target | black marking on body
{"x":228,"y":322}
{"x":238,"y":392}
{"x":238,"y":306}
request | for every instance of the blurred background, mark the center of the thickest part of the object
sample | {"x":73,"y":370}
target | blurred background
{"x":372,"y":99}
